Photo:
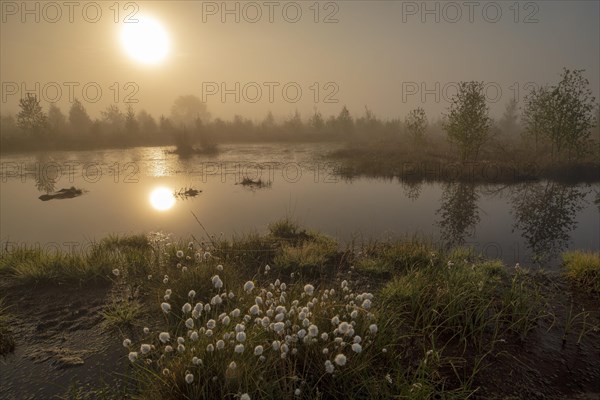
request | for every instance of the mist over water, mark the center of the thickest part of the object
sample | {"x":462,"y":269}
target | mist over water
{"x":510,"y":222}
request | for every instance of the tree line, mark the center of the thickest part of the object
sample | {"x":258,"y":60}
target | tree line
{"x":555,"y":119}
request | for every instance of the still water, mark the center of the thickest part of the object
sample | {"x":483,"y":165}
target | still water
{"x":131,"y":191}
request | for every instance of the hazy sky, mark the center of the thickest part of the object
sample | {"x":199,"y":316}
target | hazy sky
{"x":380,"y":54}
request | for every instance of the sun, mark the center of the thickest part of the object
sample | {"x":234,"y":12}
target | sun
{"x":162,"y":199}
{"x":145,"y":41}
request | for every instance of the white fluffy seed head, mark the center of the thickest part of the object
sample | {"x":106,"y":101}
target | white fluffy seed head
{"x":340,"y":360}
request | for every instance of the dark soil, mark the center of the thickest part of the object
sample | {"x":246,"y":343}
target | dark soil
{"x":60,"y":342}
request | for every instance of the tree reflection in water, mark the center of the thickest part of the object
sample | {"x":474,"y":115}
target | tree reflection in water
{"x":458,"y":212}
{"x":545,"y":214}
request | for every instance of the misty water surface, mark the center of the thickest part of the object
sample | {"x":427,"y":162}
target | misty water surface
{"x":122,"y":195}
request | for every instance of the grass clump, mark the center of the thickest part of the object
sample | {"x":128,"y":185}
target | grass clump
{"x":121,"y":315}
{"x":392,"y":257}
{"x":7,"y":341}
{"x":474,"y":303}
{"x":311,"y":256}
{"x":583,"y":268}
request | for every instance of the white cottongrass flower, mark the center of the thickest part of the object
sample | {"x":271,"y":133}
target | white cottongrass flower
{"x":216,"y":300}
{"x":226,"y":320}
{"x":258,"y":350}
{"x":208,"y":332}
{"x":235,"y":313}
{"x":217,"y":282}
{"x":211,"y":324}
{"x":240,"y":336}
{"x":166,"y":307}
{"x":366,"y":304}
{"x":313,"y":330}
{"x":344,"y":328}
{"x":220,"y":344}
{"x":254,"y":310}
{"x":181,"y":348}
{"x":231,"y":295}
{"x":207,"y":307}
{"x":340,"y":360}
{"x":164,"y":337}
{"x":335,"y":320}
{"x":276,"y":345}
{"x":278,"y":327}
{"x":145,"y":348}
{"x":116,"y":272}
{"x":126,"y":343}
{"x":232,"y":365}
{"x":210,"y":348}
{"x":168,"y":349}
{"x":186,"y":308}
{"x":168,"y":292}
{"x":189,"y":323}
{"x":192,"y":294}
{"x":329,"y":368}
{"x":297,"y":392}
{"x":373,"y":328}
{"x":357,"y":339}
{"x":357,"y":348}
{"x":325,"y":350}
{"x":179,"y":254}
{"x":354,"y":314}
{"x":324,"y":336}
{"x":301,"y":333}
{"x":196,"y":361}
{"x":146,"y":330}
{"x":189,"y":378}
{"x":184,"y":269}
{"x":239,"y":348}
{"x":219,"y":267}
{"x":149,"y":277}
{"x":194,"y":336}
{"x":267,"y":268}
{"x":309,"y":289}
{"x":133,"y":356}
{"x":245,"y":396}
{"x":248,"y":286}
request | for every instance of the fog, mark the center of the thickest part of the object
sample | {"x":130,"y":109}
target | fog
{"x":250,"y":58}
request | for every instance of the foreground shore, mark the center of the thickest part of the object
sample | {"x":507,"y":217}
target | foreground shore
{"x":287,"y":314}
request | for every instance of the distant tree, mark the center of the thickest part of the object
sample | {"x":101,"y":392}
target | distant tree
{"x":344,"y":122}
{"x":294,"y":125}
{"x":147,"y":124}
{"x":416,"y":124}
{"x":186,"y":109}
{"x":8,"y":126}
{"x":467,"y":122}
{"x":31,"y":118}
{"x":165,"y":126}
{"x":509,"y":122}
{"x":57,"y":121}
{"x":368,"y":123}
{"x":113,"y":118}
{"x":563,"y":113}
{"x":132,"y":126}
{"x":79,"y":119}
{"x":316,"y":122}
{"x":267,"y":125}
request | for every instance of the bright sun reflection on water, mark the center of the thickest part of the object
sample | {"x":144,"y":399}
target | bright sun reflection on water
{"x":162,"y":199}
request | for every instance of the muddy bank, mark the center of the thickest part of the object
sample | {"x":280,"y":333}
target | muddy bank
{"x":59,"y":341}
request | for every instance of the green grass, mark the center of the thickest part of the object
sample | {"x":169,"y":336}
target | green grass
{"x":7,"y":341}
{"x":583,"y":268}
{"x":121,"y":315}
{"x":439,"y":314}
